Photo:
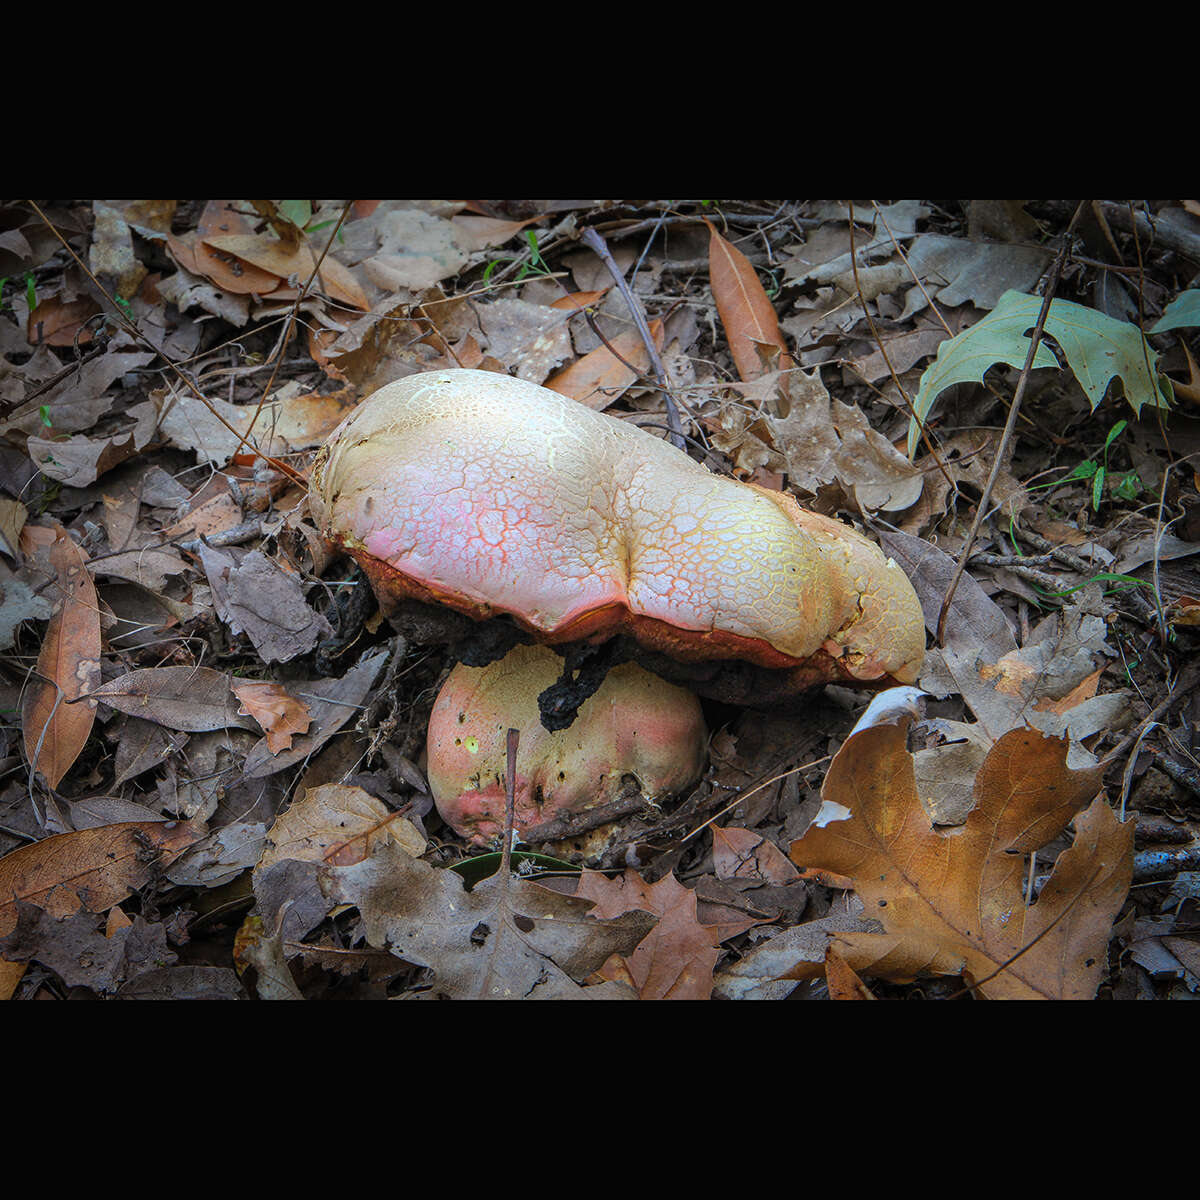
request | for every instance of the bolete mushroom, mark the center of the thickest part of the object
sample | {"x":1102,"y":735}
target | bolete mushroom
{"x":636,"y":730}
{"x":492,"y":496}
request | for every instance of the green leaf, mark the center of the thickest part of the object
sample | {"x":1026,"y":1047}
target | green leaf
{"x":999,"y":337}
{"x":1114,"y":433}
{"x":299,"y":212}
{"x":30,"y":291}
{"x":1183,"y":310}
{"x":44,"y":413}
{"x":535,"y":255}
{"x":1097,"y":349}
{"x":1098,"y":489}
{"x":1083,"y":470}
{"x":1130,"y":486}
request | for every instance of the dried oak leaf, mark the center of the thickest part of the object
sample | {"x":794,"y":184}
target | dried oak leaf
{"x":954,"y":903}
{"x":675,"y":960}
{"x":843,"y":981}
{"x":335,"y":824}
{"x":786,"y":422}
{"x":279,"y":713}
{"x":506,"y":939}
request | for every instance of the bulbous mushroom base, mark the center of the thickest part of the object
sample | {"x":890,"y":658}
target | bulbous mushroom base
{"x":637,"y":726}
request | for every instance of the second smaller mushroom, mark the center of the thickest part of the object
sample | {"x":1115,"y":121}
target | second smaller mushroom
{"x":637,"y":728}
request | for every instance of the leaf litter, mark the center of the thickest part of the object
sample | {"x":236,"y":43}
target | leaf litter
{"x":198,"y":763}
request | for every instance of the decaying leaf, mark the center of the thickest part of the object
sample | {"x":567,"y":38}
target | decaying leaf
{"x":675,"y":960}
{"x":90,"y":868}
{"x":507,"y":939}
{"x":256,"y":597}
{"x":746,"y":312}
{"x":788,"y":423}
{"x":279,"y":713}
{"x":257,"y":947}
{"x":952,"y":904}
{"x":68,"y":667}
{"x":75,"y":950}
{"x":599,"y":378}
{"x":194,"y":699}
{"x":745,"y":855}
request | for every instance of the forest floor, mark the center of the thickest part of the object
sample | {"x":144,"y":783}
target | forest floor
{"x":213,"y":777}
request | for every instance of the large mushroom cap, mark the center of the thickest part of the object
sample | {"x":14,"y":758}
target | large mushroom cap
{"x":636,"y":726}
{"x":495,"y":496}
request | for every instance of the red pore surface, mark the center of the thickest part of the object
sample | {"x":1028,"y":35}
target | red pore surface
{"x":635,"y":725}
{"x":492,"y":495}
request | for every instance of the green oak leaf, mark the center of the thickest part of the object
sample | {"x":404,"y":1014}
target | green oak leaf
{"x":1097,"y":349}
{"x":1183,"y":310}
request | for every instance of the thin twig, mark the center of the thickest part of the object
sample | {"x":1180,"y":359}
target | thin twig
{"x":1010,"y":424}
{"x":1184,"y":685}
{"x":595,"y":242}
{"x":511,"y":741}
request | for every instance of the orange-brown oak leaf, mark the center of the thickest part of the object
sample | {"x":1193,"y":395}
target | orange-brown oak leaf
{"x":953,"y":901}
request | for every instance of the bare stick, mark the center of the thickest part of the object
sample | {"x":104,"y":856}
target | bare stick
{"x":510,"y":798}
{"x":595,"y":242}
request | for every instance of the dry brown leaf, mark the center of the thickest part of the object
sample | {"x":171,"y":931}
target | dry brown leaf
{"x":270,"y":255}
{"x":955,"y":903}
{"x":13,"y":515}
{"x":1085,"y":690}
{"x":339,"y":825}
{"x":90,"y":868}
{"x":11,"y":974}
{"x":214,"y":515}
{"x":675,"y":960}
{"x":227,"y":272}
{"x":59,"y":323}
{"x":747,"y":315}
{"x":600,"y":377}
{"x":578,"y":301}
{"x":1184,"y":610}
{"x":743,"y":854}
{"x":482,"y":233}
{"x":195,"y":699}
{"x":842,"y":980}
{"x":506,"y":939}
{"x":255,"y":947}
{"x":279,"y":713}
{"x":68,"y":667}
{"x":332,"y":702}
